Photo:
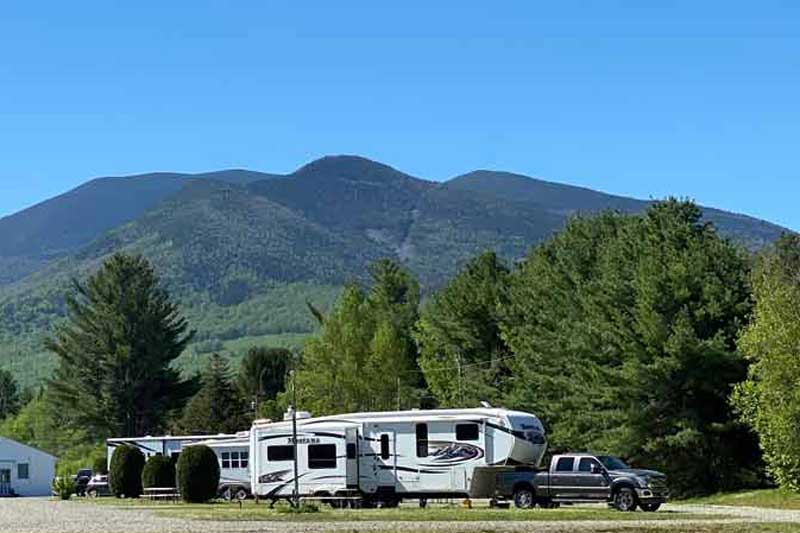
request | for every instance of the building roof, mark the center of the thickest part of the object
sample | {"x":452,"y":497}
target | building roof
{"x":13,"y":443}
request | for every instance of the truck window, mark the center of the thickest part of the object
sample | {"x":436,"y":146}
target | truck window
{"x":385,"y":446}
{"x":321,"y":456}
{"x":565,"y":464}
{"x":585,"y":464}
{"x":467,"y":432}
{"x":422,"y":440}
{"x":280,"y":453}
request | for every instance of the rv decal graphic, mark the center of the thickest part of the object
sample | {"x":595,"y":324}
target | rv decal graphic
{"x":449,"y":453}
{"x":273,"y":477}
{"x":414,"y":470}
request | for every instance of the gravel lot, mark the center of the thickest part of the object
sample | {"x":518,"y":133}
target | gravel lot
{"x":47,"y":516}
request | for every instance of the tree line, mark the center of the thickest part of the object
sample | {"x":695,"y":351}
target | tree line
{"x":647,"y":336}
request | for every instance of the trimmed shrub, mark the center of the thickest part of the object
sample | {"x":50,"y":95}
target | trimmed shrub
{"x":125,"y":475}
{"x":159,"y":471}
{"x":197,"y":474}
{"x":100,"y":466}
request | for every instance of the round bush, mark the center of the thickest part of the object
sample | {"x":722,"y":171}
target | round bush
{"x":197,"y":474}
{"x":125,"y":474}
{"x":159,"y":471}
{"x":100,"y":466}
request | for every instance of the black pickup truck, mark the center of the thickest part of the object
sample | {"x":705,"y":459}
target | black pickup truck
{"x":579,"y":478}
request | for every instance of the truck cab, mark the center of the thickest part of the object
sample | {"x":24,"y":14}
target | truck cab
{"x":584,"y":478}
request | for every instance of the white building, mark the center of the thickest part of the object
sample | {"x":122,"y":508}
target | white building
{"x":25,"y":471}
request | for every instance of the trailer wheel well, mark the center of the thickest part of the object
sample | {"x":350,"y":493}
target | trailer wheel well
{"x":520,"y":485}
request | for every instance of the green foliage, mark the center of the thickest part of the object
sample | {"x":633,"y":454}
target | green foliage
{"x":768,"y":400}
{"x":100,"y":464}
{"x":159,"y":471}
{"x":125,"y":474}
{"x":263,"y":372}
{"x":365,"y":348}
{"x":115,"y":353}
{"x":624,"y":334}
{"x":9,"y":394}
{"x":197,"y":474}
{"x":63,"y":486}
{"x":459,"y":328}
{"x":217,"y":407}
{"x":37,"y":424}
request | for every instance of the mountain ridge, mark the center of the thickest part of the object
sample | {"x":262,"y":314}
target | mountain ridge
{"x":243,"y":251}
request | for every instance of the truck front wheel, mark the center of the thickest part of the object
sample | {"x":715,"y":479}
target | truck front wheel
{"x":625,"y":500}
{"x":524,"y":498}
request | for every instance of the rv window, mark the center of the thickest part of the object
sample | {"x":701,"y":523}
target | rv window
{"x":422,"y":440}
{"x":351,"y":450}
{"x":245,"y":459}
{"x":22,"y":471}
{"x":234,"y":459}
{"x":322,"y":456}
{"x":467,"y":432}
{"x":565,"y":464}
{"x":280,"y":453}
{"x":226,"y":460}
{"x":385,"y":454}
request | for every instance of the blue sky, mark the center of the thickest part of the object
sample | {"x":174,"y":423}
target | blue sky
{"x":696,"y":99}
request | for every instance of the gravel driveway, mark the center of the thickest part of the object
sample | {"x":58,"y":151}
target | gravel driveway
{"x":47,"y":516}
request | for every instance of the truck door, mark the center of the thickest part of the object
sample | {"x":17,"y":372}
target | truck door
{"x":593,"y":480}
{"x":352,"y":462}
{"x":564,"y":480}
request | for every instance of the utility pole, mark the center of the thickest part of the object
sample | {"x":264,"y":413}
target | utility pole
{"x":296,"y":492}
{"x":398,"y":392}
{"x":460,"y":381}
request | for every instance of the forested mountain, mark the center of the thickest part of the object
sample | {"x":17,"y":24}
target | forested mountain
{"x":243,"y":250}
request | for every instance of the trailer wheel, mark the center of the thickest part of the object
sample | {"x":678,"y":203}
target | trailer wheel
{"x":227,"y":494}
{"x":625,"y":500}
{"x":524,"y":497}
{"x":242,"y":494}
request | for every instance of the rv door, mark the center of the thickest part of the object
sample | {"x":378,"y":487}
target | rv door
{"x":352,"y":465}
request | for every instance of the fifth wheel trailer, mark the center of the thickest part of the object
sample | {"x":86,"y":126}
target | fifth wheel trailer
{"x":384,"y":457}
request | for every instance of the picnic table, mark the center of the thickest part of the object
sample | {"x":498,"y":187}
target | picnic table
{"x":161,"y":494}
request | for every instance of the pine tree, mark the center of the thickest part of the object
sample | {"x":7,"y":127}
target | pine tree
{"x":115,"y":375}
{"x":217,"y":407}
{"x":9,"y":395}
{"x":262,"y":376}
{"x":624,"y":329}
{"x":459,"y":330}
{"x":364,"y":357}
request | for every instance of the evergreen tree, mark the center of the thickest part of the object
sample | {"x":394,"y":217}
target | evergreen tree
{"x":262,"y":376}
{"x":115,"y":353}
{"x":459,"y":330}
{"x":217,"y":407}
{"x":364,"y":357}
{"x":624,"y":330}
{"x":768,"y":400}
{"x":9,"y":395}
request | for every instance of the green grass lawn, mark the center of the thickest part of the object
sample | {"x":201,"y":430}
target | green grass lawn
{"x":261,"y":512}
{"x":767,"y":498}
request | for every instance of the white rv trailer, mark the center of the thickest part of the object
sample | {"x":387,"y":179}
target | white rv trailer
{"x":385,"y":457}
{"x":168,"y":445}
{"x":233,"y":456}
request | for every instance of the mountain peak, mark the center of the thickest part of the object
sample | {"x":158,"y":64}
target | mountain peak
{"x":350,"y":167}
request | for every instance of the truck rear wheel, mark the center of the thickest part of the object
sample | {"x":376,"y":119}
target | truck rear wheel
{"x":524,"y":498}
{"x":625,"y":500}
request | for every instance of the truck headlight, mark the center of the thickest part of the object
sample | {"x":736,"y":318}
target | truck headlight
{"x":644,"y":482}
